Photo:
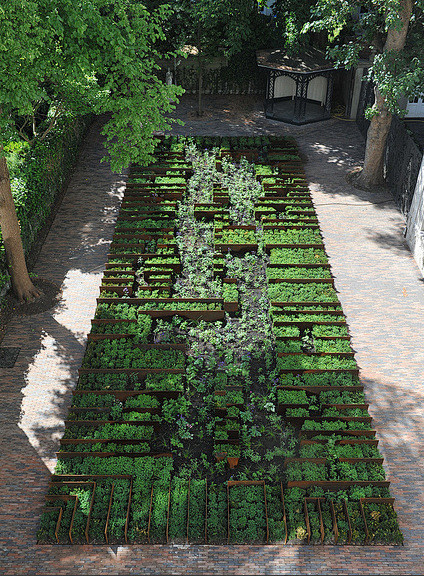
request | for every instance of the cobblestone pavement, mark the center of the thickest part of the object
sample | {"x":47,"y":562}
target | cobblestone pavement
{"x":382,"y":293}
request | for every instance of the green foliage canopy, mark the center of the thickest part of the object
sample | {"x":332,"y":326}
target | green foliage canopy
{"x":396,"y":73}
{"x":78,"y":56}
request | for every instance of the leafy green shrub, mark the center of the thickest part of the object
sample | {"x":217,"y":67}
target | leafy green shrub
{"x":230,"y":292}
{"x":48,"y":522}
{"x":297,"y":412}
{"x":341,"y":397}
{"x":127,"y":226}
{"x":286,"y":331}
{"x":296,"y":471}
{"x":288,"y":346}
{"x":325,"y":379}
{"x":230,"y":397}
{"x":116,"y":311}
{"x":332,"y":345}
{"x":181,"y":305}
{"x":232,"y":450}
{"x":93,"y":400}
{"x":39,"y":175}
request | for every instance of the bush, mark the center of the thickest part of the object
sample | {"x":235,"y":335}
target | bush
{"x":38,"y":174}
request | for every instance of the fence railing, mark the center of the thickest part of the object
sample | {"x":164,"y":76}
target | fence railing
{"x":220,"y":81}
{"x":402,"y":159}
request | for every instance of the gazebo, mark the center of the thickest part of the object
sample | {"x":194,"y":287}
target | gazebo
{"x":299,"y":88}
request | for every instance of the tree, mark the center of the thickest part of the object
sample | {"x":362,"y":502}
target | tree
{"x":393,"y":29}
{"x":290,"y":17}
{"x":221,"y":28}
{"x":72,"y":57}
{"x":212,"y":27}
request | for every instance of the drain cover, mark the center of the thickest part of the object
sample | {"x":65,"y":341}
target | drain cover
{"x":8,"y":357}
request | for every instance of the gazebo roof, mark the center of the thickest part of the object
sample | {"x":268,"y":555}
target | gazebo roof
{"x":310,"y":60}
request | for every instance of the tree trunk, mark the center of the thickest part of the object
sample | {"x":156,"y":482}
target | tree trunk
{"x":199,"y":73}
{"x":372,"y":172}
{"x":21,"y":283}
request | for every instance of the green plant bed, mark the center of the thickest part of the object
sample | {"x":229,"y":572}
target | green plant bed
{"x":159,"y":514}
{"x":381,"y":520}
{"x":296,"y":522}
{"x":236,"y":236}
{"x":296,"y":272}
{"x":305,"y":362}
{"x":247,"y":514}
{"x":298,"y":255}
{"x":276,"y":514}
{"x":103,"y":382}
{"x":217,"y":525}
{"x":288,"y":346}
{"x":115,"y":431}
{"x":292,"y":236}
{"x":197,"y":511}
{"x":123,"y":354}
{"x":219,"y":401}
{"x":286,"y":331}
{"x":326,"y":379}
{"x":286,"y":292}
{"x":315,"y":521}
{"x":357,"y":523}
{"x":178,"y":511}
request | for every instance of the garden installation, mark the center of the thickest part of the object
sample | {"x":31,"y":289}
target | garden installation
{"x":219,"y":401}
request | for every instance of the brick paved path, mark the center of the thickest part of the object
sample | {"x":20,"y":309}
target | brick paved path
{"x":382,"y":294}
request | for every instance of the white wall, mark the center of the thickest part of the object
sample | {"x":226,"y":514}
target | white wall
{"x":285,"y":86}
{"x":415,"y":222}
{"x":359,"y":73}
{"x":317,"y":89}
{"x":415,"y":108}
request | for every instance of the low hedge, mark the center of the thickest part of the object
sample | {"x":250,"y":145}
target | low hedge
{"x":38,"y":174}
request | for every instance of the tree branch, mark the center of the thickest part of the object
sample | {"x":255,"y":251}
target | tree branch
{"x":53,"y":121}
{"x":22,"y":134}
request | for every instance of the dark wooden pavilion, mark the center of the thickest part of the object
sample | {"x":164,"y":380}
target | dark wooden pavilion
{"x":299,"y":88}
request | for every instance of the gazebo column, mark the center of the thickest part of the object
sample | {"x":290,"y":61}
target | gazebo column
{"x":329,"y":93}
{"x":271,"y":90}
{"x":266,"y":103}
{"x":302,"y":82}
